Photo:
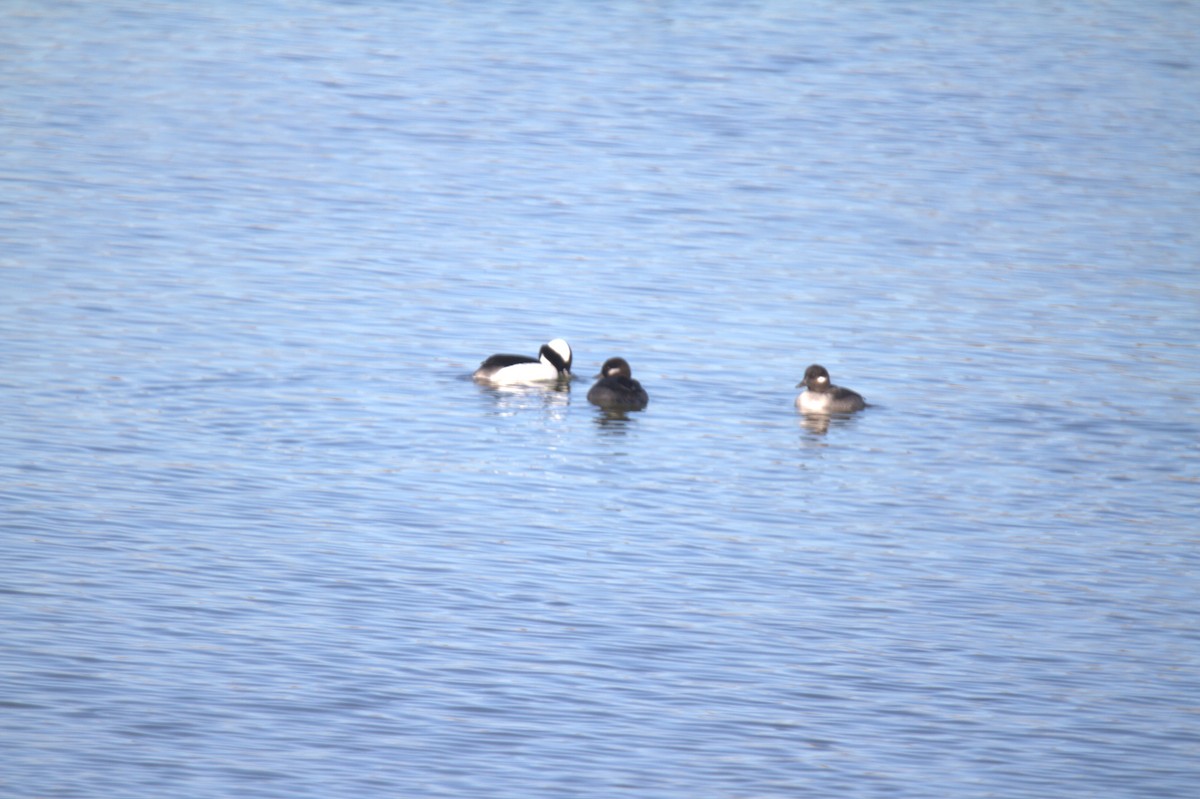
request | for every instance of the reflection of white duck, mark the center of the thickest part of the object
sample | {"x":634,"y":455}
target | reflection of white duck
{"x":821,"y":396}
{"x":553,"y":362}
{"x":551,"y":399}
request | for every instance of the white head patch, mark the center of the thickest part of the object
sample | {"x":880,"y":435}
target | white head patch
{"x":561,"y":347}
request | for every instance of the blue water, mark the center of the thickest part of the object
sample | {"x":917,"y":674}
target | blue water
{"x":263,"y":537}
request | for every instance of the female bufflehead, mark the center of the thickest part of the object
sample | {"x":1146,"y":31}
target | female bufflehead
{"x":616,"y":388}
{"x":821,"y":396}
{"x":553,"y":362}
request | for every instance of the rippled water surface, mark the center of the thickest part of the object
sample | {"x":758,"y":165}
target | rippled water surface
{"x":264,"y":537}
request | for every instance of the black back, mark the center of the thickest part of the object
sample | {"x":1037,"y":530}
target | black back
{"x":501,"y":361}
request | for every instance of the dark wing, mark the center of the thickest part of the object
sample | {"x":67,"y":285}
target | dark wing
{"x":848,"y":397}
{"x":501,"y":361}
{"x":618,"y":393}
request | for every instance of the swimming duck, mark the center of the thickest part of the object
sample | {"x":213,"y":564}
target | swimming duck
{"x":822,"y":396}
{"x":553,"y":363}
{"x":616,"y":389}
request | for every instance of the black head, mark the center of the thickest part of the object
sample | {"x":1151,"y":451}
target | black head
{"x":615,"y":367}
{"x":816,"y":378}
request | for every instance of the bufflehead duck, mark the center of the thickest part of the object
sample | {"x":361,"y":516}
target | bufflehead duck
{"x":821,"y":396}
{"x":553,"y":362}
{"x":616,"y":388}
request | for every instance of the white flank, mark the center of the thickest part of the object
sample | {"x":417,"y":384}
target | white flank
{"x":522,"y":373}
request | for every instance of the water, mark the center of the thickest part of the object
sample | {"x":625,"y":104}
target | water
{"x":264,"y":538}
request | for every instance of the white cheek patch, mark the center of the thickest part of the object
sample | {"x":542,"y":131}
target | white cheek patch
{"x":822,"y":379}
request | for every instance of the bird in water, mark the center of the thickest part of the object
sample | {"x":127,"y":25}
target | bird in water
{"x":616,"y":389}
{"x":553,"y":363}
{"x":822,"y":396}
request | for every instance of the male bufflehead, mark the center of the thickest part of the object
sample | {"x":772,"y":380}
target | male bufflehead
{"x":821,"y":396}
{"x":616,"y":388}
{"x":553,"y":362}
